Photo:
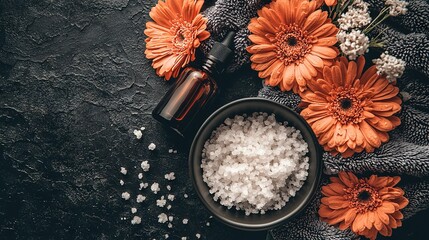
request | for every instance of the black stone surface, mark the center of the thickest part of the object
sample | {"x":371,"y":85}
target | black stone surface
{"x":74,"y":84}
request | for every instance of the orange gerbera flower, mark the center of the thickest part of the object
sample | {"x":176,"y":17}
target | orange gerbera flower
{"x":350,"y":111}
{"x":291,"y":41}
{"x":367,"y":206}
{"x":177,"y":31}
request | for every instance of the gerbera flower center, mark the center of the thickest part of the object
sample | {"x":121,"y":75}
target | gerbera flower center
{"x":184,"y":36}
{"x":363,"y":197}
{"x":292,"y":43}
{"x":345,"y":105}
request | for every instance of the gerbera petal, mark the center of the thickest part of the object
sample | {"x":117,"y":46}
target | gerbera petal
{"x":263,"y":57}
{"x":313,"y":21}
{"x":345,"y":179}
{"x":322,"y":125}
{"x":358,"y":223}
{"x":304,"y":71}
{"x":369,"y":134}
{"x":256,"y":39}
{"x":324,"y":52}
{"x":316,"y":61}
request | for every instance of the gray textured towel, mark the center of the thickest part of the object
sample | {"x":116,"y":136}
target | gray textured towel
{"x":407,"y":153}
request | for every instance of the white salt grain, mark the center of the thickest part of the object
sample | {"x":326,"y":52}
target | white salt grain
{"x":138,"y":133}
{"x":170,"y":150}
{"x":170,"y":176}
{"x":145,"y":166}
{"x":168,"y":207}
{"x":185,"y":221}
{"x":184,"y":238}
{"x":126,"y":195}
{"x":208,"y":224}
{"x":170,"y":218}
{"x":155,"y":188}
{"x":198,"y":235}
{"x":123,"y":171}
{"x":162,"y":218}
{"x":170,"y":225}
{"x":175,"y":151}
{"x":133,"y":210}
{"x":151,"y":146}
{"x":140,"y":175}
{"x":140,"y":198}
{"x":171,"y":197}
{"x":161,"y":202}
{"x":168,"y":187}
{"x":121,"y":182}
{"x":166,"y":236}
{"x":185,"y":195}
{"x":142,"y":128}
{"x":136,"y":220}
{"x":254,"y":163}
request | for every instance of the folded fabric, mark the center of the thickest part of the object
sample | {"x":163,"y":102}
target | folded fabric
{"x":407,"y":152}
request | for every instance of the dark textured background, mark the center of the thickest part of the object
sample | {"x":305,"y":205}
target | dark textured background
{"x":74,"y":84}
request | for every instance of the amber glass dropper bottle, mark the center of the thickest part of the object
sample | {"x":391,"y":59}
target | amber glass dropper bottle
{"x":194,"y":88}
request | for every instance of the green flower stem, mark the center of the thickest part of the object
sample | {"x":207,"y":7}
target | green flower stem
{"x":379,"y":19}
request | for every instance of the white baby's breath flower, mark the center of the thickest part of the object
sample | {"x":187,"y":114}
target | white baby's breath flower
{"x":389,"y":66}
{"x":353,"y":44}
{"x":396,"y":7}
{"x":357,"y":16}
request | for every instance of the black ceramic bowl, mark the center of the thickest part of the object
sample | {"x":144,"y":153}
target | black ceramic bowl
{"x":272,"y":218}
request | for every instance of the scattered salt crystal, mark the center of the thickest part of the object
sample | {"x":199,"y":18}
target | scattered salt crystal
{"x":170,"y":225}
{"x":170,"y":218}
{"x":166,"y":236}
{"x":140,"y":198}
{"x":184,"y":238}
{"x":185,"y":221}
{"x":161,"y":202}
{"x":170,"y":150}
{"x":170,"y":176}
{"x":162,"y":218}
{"x":175,"y":151}
{"x":198,"y":235}
{"x":171,"y":197}
{"x":138,"y":133}
{"x":208,"y":224}
{"x":136,"y":220}
{"x":145,"y":166}
{"x":126,"y":195}
{"x":142,"y":128}
{"x":133,"y":210}
{"x":121,"y":182}
{"x":140,"y":175}
{"x":155,"y":188}
{"x":141,"y":186}
{"x":168,"y":187}
{"x":123,"y":170}
{"x":168,"y":207}
{"x":185,"y":195}
{"x":151,"y":146}
{"x":211,"y":216}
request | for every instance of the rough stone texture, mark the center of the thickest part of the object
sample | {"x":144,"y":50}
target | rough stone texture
{"x":74,"y":84}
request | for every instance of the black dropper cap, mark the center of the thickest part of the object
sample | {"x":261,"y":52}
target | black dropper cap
{"x":219,"y":55}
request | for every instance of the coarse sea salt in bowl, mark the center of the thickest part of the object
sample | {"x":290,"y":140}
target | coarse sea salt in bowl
{"x":203,"y":172}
